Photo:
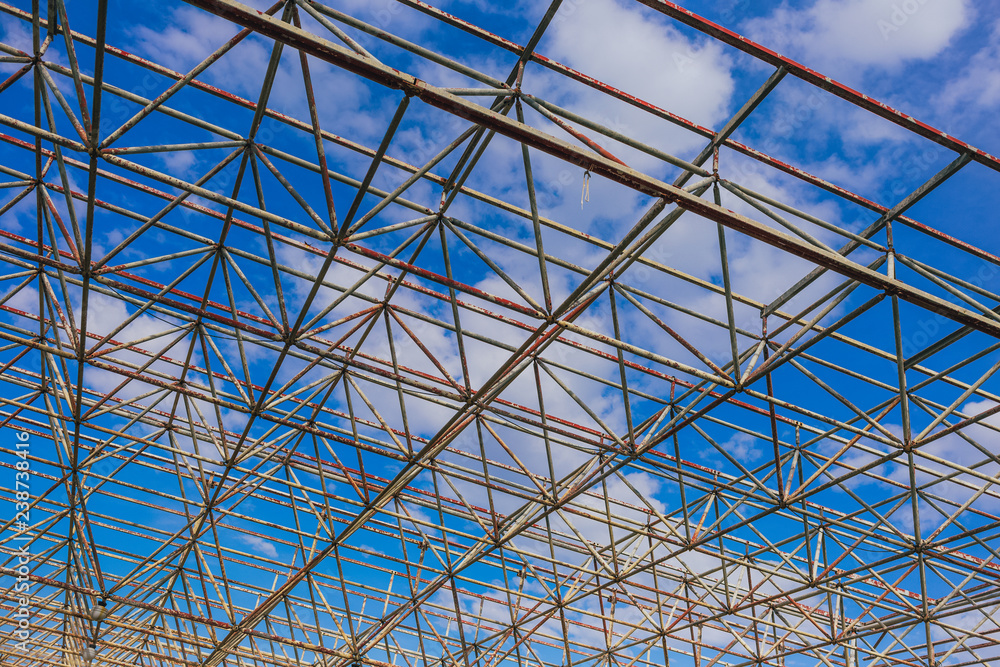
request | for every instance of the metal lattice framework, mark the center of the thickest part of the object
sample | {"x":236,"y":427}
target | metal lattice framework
{"x":329,"y":403}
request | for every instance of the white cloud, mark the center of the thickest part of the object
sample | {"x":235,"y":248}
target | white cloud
{"x":191,"y":35}
{"x":644,"y":55}
{"x":978,"y":85}
{"x":16,"y":33}
{"x":260,"y":545}
{"x":105,"y":314}
{"x":743,"y":447}
{"x":179,"y":163}
{"x":838,"y":35}
{"x":939,"y":461}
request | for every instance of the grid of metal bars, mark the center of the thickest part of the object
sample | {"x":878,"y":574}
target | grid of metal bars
{"x":373,"y":456}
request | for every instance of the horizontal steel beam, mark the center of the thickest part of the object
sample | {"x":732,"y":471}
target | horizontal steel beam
{"x":811,"y":76}
{"x":454,"y":104}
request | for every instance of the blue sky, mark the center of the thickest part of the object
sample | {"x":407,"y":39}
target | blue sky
{"x":928,"y":58}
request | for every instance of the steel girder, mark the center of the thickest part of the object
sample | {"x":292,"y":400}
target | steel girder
{"x":335,"y":403}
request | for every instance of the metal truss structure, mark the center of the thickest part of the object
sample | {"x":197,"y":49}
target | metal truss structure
{"x":335,"y":404}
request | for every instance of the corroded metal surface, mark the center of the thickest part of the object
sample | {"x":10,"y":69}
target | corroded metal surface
{"x":335,"y":397}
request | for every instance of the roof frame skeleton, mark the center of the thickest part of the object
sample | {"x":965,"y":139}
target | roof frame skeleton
{"x":821,"y":571}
